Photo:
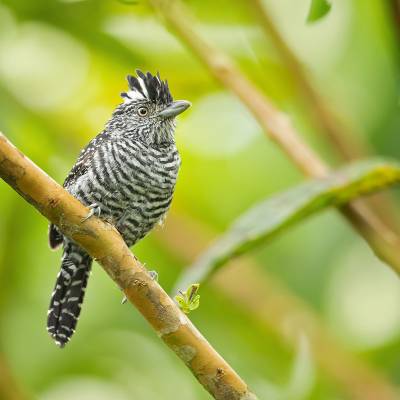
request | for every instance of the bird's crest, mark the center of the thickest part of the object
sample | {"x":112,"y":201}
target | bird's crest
{"x":147,"y":87}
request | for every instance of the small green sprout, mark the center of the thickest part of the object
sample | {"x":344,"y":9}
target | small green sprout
{"x":188,"y":300}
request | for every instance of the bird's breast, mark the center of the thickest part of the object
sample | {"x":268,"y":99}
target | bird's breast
{"x":133,"y":185}
{"x":145,"y":180}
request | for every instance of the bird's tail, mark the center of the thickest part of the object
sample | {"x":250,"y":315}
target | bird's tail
{"x":68,"y":294}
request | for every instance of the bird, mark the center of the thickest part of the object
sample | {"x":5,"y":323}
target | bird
{"x":126,"y":175}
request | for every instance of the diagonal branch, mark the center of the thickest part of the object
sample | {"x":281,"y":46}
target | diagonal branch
{"x":277,"y":309}
{"x":277,"y":127}
{"x":103,"y":243}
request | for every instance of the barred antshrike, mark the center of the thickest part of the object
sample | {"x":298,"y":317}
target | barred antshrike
{"x":126,"y":175}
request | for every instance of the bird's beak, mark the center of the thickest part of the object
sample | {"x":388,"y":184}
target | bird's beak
{"x":174,"y":109}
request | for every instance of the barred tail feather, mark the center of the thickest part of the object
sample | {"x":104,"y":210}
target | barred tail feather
{"x":68,"y":294}
{"x":55,"y":237}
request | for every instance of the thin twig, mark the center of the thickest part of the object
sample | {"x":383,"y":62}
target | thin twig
{"x":277,"y":309}
{"x":276,"y":126}
{"x":105,"y":245}
{"x":329,"y":123}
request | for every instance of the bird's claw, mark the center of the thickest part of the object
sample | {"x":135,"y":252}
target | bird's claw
{"x":153,"y":275}
{"x":94,"y":209}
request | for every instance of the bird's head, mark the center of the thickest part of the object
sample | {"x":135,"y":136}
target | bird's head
{"x":148,"y":110}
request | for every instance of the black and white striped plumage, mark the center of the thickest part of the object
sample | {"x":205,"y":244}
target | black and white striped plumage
{"x":128,"y":174}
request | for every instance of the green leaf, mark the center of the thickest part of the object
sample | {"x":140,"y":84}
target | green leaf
{"x":318,"y":9}
{"x":188,"y":300}
{"x":265,"y":220}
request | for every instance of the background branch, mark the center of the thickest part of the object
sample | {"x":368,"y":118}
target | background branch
{"x":348,"y":145}
{"x":328,"y":122}
{"x":277,"y":126}
{"x":9,"y":388}
{"x":104,"y":244}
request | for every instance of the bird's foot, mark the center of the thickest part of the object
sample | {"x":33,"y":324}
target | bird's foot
{"x":153,"y":275}
{"x":94,"y":209}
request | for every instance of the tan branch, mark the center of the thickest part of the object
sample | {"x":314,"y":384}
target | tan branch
{"x":276,"y":126}
{"x":103,"y":243}
{"x":251,"y":288}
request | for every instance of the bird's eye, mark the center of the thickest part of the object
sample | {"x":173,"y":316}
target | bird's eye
{"x":142,"y":111}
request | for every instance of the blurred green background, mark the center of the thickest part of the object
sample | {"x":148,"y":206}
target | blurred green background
{"x":62,"y":66}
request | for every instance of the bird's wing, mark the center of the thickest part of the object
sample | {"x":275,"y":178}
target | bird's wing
{"x":79,"y":169}
{"x":82,"y":163}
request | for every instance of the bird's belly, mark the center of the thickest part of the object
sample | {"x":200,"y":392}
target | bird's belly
{"x":141,"y":214}
{"x":135,"y":207}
